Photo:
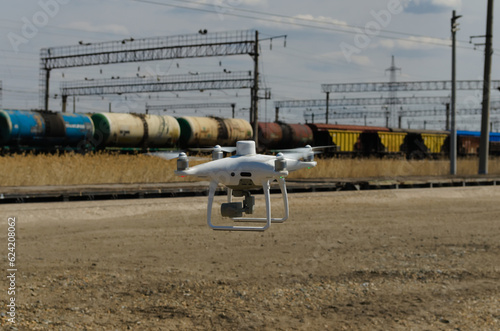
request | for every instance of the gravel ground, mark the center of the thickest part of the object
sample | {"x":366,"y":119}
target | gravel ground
{"x":422,"y":259}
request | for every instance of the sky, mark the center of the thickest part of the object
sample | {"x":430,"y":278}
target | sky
{"x":326,"y":42}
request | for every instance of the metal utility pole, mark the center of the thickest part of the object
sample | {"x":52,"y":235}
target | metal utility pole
{"x":447,"y":117}
{"x":327,"y":105}
{"x":392,"y":91}
{"x":46,"y":80}
{"x":453,"y":133}
{"x":64,"y":101}
{"x":254,"y":112}
{"x":485,"y":118}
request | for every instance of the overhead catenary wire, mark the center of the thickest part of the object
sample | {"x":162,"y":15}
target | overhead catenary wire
{"x":276,"y":18}
{"x":273,"y":17}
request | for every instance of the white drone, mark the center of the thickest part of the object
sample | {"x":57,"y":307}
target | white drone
{"x":244,"y":171}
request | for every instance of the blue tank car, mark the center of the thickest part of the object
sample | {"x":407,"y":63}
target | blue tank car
{"x":19,"y":127}
{"x":65,"y":132}
{"x":79,"y":128}
{"x":44,"y":131}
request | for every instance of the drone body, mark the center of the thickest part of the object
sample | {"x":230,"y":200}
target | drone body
{"x":242,"y":172}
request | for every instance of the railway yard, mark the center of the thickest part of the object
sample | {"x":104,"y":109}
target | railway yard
{"x":391,"y":228}
{"x":52,"y":132}
{"x":386,"y":259}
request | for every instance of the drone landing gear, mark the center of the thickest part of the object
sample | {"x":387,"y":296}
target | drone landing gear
{"x":234,"y":210}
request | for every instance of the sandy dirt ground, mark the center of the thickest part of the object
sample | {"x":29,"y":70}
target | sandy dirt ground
{"x":420,"y":259}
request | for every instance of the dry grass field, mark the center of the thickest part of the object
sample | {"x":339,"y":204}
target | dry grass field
{"x":356,"y":168}
{"x":101,"y":168}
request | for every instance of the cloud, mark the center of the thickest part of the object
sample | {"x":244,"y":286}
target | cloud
{"x":104,"y":28}
{"x":361,"y":60}
{"x":320,"y":19}
{"x":250,"y":2}
{"x":236,"y":3}
{"x":414,"y":43}
{"x":295,"y":22}
{"x":339,"y":57}
{"x":233,"y":2}
{"x":432,"y":6}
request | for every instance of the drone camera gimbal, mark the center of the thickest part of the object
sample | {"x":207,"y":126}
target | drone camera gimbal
{"x":236,"y":209}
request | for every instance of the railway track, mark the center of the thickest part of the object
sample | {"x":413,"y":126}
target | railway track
{"x":30,"y":194}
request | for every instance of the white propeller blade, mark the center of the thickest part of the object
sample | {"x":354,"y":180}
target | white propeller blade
{"x":174,"y":155}
{"x":227,"y":149}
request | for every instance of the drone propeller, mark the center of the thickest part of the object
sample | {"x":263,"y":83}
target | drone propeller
{"x":227,"y":149}
{"x":176,"y":154}
{"x":216,"y":151}
{"x":305,"y":153}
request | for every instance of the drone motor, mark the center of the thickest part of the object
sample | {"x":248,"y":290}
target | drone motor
{"x":182,"y":162}
{"x":217,"y":153}
{"x":280,"y":162}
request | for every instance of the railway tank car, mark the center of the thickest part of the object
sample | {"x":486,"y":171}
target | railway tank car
{"x":134,"y":130}
{"x":18,"y":127}
{"x":296,"y":135}
{"x":79,"y":128}
{"x":210,"y":131}
{"x":237,"y":129}
{"x":284,"y":135}
{"x":270,"y":135}
{"x":198,"y":131}
{"x":44,"y":130}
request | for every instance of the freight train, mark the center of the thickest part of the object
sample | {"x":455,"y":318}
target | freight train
{"x":41,"y":131}
{"x":366,"y":141}
{"x":354,"y":140}
{"x":37,"y":131}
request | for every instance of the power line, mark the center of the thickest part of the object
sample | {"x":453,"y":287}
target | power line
{"x":312,"y":20}
{"x":420,"y":41}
